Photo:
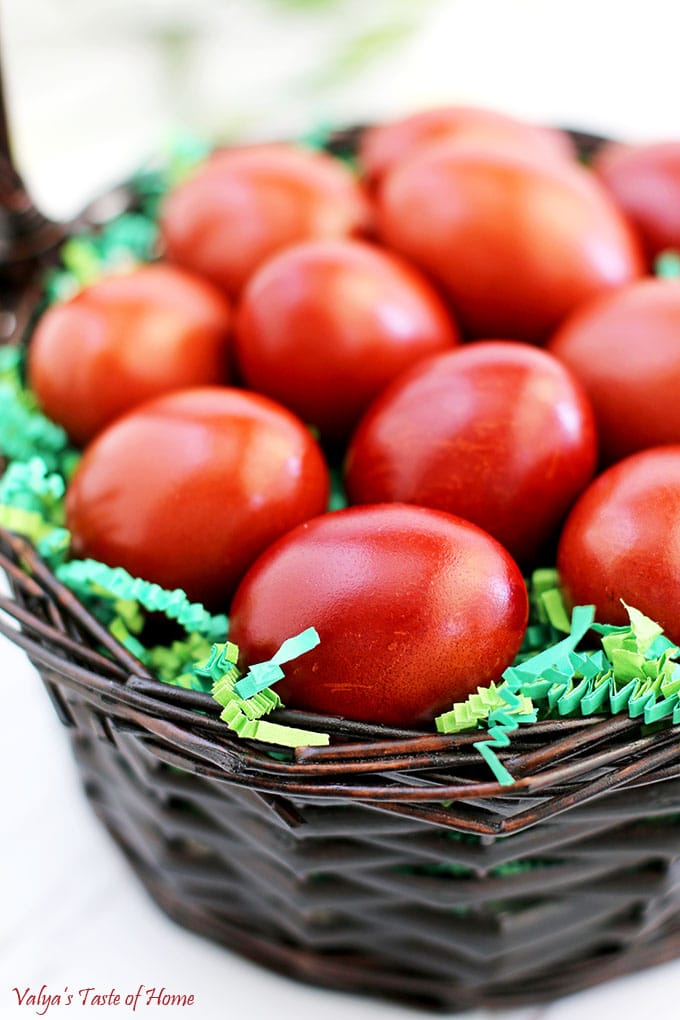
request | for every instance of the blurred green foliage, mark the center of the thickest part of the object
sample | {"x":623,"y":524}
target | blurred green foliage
{"x":356,"y":55}
{"x":307,"y":5}
{"x":349,"y":40}
{"x":358,"y":49}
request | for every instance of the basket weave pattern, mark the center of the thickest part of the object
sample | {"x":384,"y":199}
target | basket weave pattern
{"x":344,"y":867}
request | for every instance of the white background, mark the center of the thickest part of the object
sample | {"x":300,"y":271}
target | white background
{"x":97,"y":85}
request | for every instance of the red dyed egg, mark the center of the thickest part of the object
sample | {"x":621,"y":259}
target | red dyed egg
{"x":325,"y":325}
{"x":515,"y":244}
{"x":619,"y":541}
{"x":497,"y":432}
{"x":187,"y":490}
{"x":625,"y":349}
{"x":386,"y":146}
{"x":644,"y":180}
{"x":414,"y":609}
{"x":244,"y":205}
{"x":124,"y":340}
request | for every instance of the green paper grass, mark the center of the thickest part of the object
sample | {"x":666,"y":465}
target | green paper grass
{"x":173,"y":664}
{"x":125,"y":242}
{"x":667,"y":265}
{"x":244,"y":704}
{"x":25,"y":433}
{"x":30,"y":486}
{"x":477,"y":708}
{"x":636,"y":671}
{"x":52,"y":543}
{"x":89,"y":577}
{"x":264,"y":674}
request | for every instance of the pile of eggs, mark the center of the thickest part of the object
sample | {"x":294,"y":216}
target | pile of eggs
{"x":465,"y":325}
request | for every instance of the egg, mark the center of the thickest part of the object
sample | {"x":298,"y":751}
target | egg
{"x":414,"y":609}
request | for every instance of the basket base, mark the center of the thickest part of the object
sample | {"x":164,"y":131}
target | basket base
{"x":348,"y":897}
{"x":358,"y":974}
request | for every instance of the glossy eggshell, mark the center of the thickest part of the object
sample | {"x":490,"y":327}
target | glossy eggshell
{"x":496,"y":432}
{"x":385,"y":146}
{"x":125,"y":339}
{"x":187,"y":490}
{"x":414,"y":609}
{"x":644,"y":181}
{"x":244,"y":205}
{"x":622,"y":541}
{"x":515,"y":245}
{"x":325,"y":325}
{"x":625,"y":349}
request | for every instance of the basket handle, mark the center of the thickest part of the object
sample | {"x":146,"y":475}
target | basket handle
{"x":25,"y":233}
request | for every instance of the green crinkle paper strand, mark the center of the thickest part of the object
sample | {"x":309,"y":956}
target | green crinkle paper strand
{"x":245,"y":701}
{"x":635,"y":671}
{"x":25,"y":433}
{"x":86,"y":577}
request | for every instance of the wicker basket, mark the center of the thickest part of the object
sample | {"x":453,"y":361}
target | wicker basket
{"x":345,"y":867}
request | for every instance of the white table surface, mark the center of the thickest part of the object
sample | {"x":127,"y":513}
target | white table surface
{"x":91,"y":98}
